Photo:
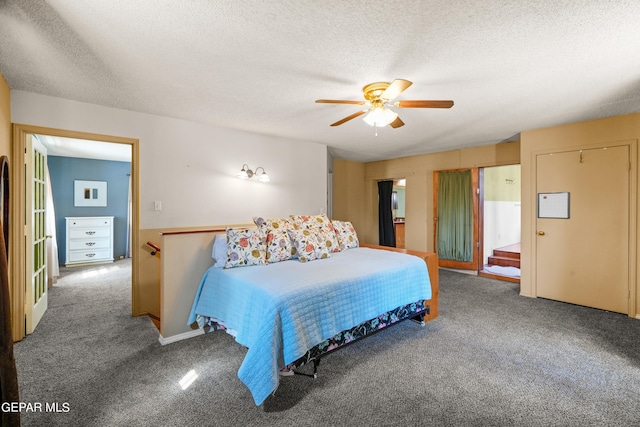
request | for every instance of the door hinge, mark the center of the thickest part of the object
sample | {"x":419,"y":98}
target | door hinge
{"x":477,"y":191}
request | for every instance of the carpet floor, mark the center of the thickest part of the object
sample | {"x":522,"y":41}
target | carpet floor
{"x":492,"y":358}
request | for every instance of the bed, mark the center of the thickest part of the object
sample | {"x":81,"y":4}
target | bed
{"x":291,"y":313}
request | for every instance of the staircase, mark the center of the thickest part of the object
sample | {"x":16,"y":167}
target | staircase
{"x":507,"y":256}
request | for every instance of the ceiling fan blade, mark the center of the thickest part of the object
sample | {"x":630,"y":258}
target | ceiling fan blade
{"x":337,"y":101}
{"x":395,"y":88}
{"x":346,"y":119}
{"x":396,"y":123}
{"x":424,"y":104}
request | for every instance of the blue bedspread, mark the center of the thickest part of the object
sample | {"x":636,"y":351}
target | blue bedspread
{"x":281,"y":310}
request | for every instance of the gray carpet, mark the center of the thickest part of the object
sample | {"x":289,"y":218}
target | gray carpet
{"x":491,"y":358}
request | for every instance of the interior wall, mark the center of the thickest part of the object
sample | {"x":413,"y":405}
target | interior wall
{"x":418,"y":171}
{"x":5,"y":150}
{"x":349,"y":193}
{"x":621,"y":129}
{"x":5,"y":118}
{"x":190,"y":168}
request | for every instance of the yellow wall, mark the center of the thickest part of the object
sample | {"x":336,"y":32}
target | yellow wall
{"x":5,"y":130}
{"x":356,"y":192}
{"x":502,"y":183}
{"x":348,"y":192}
{"x":620,"y":129}
{"x":5,"y":118}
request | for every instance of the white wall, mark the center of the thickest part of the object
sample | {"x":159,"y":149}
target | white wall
{"x":190,"y":167}
{"x":501,"y":225}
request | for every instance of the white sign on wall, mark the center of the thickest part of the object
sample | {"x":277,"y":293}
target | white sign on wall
{"x":553,"y":205}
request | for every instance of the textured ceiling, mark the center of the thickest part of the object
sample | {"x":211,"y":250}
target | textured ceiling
{"x":259,"y":65}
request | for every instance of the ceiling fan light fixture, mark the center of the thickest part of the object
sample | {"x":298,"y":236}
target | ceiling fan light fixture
{"x":378,"y":97}
{"x":380,"y":117}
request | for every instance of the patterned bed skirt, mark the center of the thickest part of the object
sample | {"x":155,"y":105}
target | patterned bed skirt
{"x":368,"y":327}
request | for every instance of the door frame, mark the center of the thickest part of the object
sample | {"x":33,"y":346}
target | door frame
{"x":474,"y":263}
{"x":17,"y":244}
{"x":481,"y":231}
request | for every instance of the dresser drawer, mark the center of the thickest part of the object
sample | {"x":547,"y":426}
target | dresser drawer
{"x":89,"y":222}
{"x":89,"y":233}
{"x":89,"y":239}
{"x":89,"y":255}
{"x":83,"y":244}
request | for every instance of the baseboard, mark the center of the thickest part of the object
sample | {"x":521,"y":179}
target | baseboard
{"x":180,"y":337}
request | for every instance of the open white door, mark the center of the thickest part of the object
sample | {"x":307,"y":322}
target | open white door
{"x":36,"y":255}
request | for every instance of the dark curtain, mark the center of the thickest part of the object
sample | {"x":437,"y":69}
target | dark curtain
{"x":386,"y":232}
{"x":8,"y":373}
{"x":455,"y":216}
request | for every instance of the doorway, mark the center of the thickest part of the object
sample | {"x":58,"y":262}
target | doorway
{"x":398,"y":204}
{"x":18,"y":264}
{"x":469,"y":228}
{"x":455,"y":206}
{"x":392,"y":212}
{"x":500,"y":222}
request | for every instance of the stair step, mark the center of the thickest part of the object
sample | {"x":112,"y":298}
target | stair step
{"x":506,"y":254}
{"x":504,"y":261}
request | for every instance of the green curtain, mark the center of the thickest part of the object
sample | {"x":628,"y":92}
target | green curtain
{"x":455,"y":216}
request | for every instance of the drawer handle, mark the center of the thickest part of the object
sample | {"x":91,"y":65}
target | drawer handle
{"x":90,"y":233}
{"x":90,"y":255}
{"x":90,"y":243}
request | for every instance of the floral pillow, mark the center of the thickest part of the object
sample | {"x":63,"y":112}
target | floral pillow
{"x":321,"y":224}
{"x":279,"y":246}
{"x":347,"y":237}
{"x":309,"y":245}
{"x":245,"y":246}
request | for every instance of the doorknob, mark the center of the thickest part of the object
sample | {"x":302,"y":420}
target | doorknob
{"x":540,"y":233}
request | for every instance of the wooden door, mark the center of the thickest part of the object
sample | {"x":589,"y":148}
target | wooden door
{"x":584,"y":259}
{"x":451,"y":263}
{"x":36,"y":254}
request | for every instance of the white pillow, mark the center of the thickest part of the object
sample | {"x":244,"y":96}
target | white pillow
{"x":219,"y":253}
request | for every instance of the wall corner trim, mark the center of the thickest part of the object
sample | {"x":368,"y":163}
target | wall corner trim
{"x":180,"y":337}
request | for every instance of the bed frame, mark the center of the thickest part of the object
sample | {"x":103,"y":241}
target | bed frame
{"x":420,"y":311}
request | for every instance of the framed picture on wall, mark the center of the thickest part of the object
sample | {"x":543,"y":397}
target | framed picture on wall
{"x":89,"y":193}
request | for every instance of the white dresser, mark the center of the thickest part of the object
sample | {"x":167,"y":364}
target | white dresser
{"x":89,"y":239}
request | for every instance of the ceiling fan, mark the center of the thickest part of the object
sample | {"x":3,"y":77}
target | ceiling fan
{"x":378,"y":98}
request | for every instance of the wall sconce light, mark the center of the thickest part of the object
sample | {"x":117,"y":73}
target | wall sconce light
{"x":246,"y":173}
